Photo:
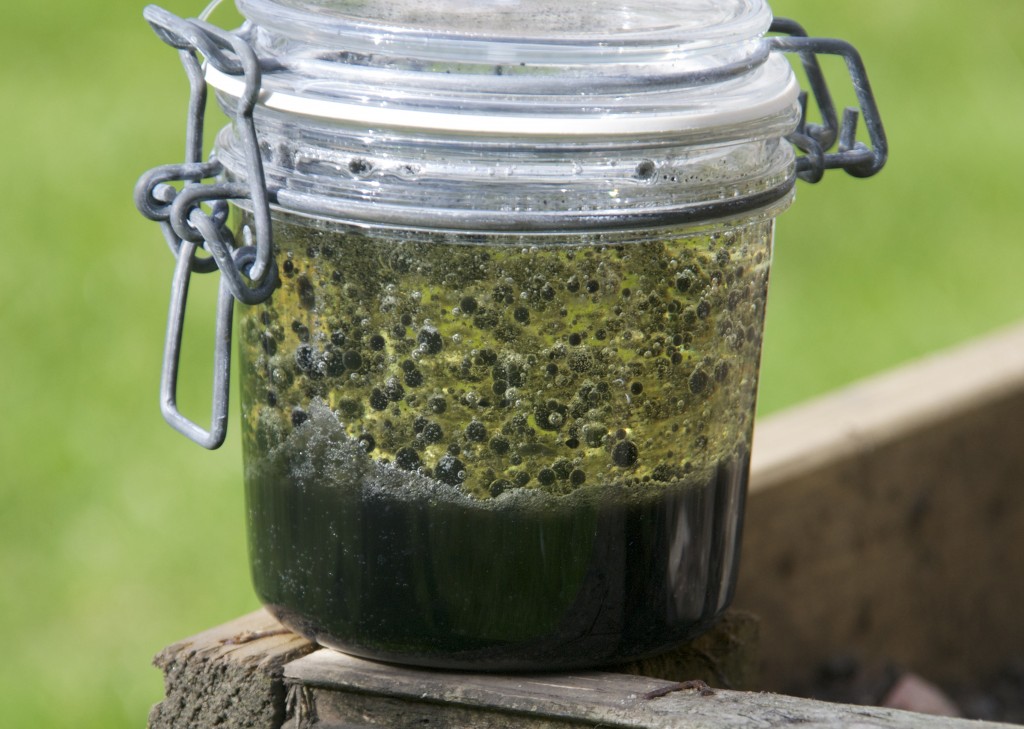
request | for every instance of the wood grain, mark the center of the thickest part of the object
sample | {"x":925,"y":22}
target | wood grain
{"x":343,"y":691}
{"x":229,"y":676}
{"x":886,"y":521}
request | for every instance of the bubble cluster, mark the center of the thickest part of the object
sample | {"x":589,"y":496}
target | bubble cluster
{"x":494,"y":364}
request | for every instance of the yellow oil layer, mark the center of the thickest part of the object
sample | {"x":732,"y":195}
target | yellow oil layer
{"x":492,"y":364}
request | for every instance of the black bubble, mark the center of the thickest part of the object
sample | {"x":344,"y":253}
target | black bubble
{"x":430,"y":339}
{"x":437,"y":404}
{"x":288,"y":267}
{"x":546,"y":477}
{"x":301,"y":331}
{"x":304,"y":358}
{"x":550,"y":415}
{"x":367,"y":442}
{"x":572,"y":285}
{"x":521,"y":315}
{"x":450,"y":470}
{"x":271,"y":398}
{"x":377,"y":342}
{"x":353,"y":360}
{"x":408,"y":459}
{"x":562,"y":468}
{"x":378,"y":400}
{"x":685,"y":281}
{"x":699,"y":381}
{"x":359,"y":166}
{"x":521,"y":478}
{"x":393,"y":390}
{"x":509,"y":372}
{"x":593,"y":286}
{"x":575,"y":339}
{"x":476,"y":431}
{"x":413,"y":378}
{"x":703,"y":309}
{"x":547,"y":292}
{"x":432,"y":433}
{"x":334,"y":362}
{"x":625,"y":454}
{"x":645,"y":169}
{"x":499,"y":486}
{"x":338,"y":338}
{"x":577,"y":477}
{"x":551,"y":369}
{"x":468,"y":305}
{"x":499,"y":445}
{"x":299,"y":417}
{"x":572,"y":443}
{"x":636,"y":388}
{"x":307,"y":295}
{"x":268,"y":343}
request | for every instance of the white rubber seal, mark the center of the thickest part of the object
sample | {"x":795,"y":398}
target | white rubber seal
{"x":705,"y":117}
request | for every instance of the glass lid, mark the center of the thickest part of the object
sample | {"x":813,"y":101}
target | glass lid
{"x":534,"y":67}
{"x":496,"y":30}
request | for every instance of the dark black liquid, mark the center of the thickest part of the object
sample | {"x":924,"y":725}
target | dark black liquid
{"x":509,"y":584}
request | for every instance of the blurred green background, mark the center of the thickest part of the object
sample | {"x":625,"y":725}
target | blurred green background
{"x":117,"y":536}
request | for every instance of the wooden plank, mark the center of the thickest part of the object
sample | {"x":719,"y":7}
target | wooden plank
{"x":885,"y":521}
{"x":229,"y":676}
{"x":332,"y":690}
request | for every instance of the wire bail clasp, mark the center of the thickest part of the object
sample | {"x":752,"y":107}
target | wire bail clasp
{"x":248,"y":273}
{"x":815,"y":140}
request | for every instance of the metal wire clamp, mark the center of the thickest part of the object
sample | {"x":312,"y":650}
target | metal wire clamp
{"x":815,"y":140}
{"x":248,"y":273}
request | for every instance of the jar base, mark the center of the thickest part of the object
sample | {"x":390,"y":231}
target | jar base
{"x":548,"y":655}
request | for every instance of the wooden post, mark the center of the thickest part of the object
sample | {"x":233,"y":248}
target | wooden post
{"x":883,"y":520}
{"x":230,"y":676}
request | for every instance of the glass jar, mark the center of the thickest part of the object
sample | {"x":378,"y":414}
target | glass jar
{"x":497,"y":410}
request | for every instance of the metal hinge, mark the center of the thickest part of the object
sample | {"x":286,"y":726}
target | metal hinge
{"x":815,"y":140}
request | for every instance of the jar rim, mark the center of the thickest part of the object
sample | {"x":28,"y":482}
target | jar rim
{"x":599,"y":31}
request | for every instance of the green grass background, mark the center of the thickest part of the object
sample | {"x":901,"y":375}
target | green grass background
{"x":117,"y":536}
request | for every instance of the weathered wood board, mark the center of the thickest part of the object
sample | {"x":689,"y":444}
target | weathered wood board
{"x":886,"y":521}
{"x":229,"y":676}
{"x":330,"y":690}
